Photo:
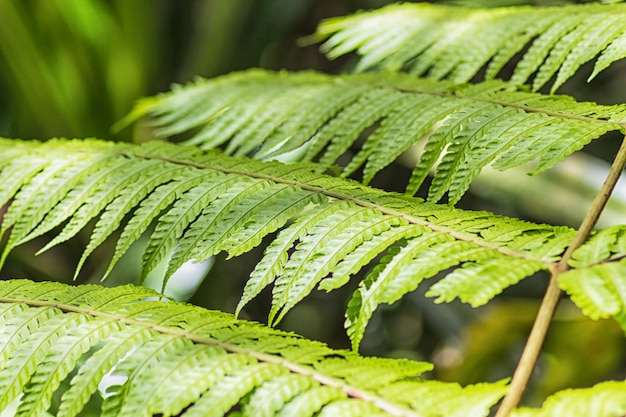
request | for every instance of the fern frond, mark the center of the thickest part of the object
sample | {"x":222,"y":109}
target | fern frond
{"x":328,"y":228}
{"x":599,"y":290}
{"x":315,"y":256}
{"x":276,"y":254}
{"x":598,"y":284}
{"x":171,"y":357}
{"x":606,"y":244}
{"x":607,"y":399}
{"x":467,"y":401}
{"x":89,"y":376}
{"x":444,"y":42}
{"x":465,"y":127}
{"x":274,"y":395}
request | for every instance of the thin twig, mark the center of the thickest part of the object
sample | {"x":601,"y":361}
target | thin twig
{"x":550,"y":300}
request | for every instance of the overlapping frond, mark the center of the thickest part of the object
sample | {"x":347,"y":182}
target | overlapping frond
{"x":166,"y":357}
{"x":598,"y":283}
{"x":607,"y":399}
{"x":456,"y":43}
{"x":327,"y":228}
{"x":462,"y":127}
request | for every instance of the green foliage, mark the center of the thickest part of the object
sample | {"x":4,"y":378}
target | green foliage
{"x":597,"y":284}
{"x":463,"y":127}
{"x":329,"y":228}
{"x":456,"y":43}
{"x":606,"y":399}
{"x":168,"y":357}
{"x":225,"y":189}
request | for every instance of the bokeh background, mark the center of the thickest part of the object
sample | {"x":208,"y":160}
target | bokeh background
{"x":74,"y":68}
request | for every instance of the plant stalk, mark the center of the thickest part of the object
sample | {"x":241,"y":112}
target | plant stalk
{"x":537,"y":336}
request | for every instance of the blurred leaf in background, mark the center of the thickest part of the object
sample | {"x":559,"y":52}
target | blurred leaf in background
{"x":69,"y":68}
{"x":578,"y":352}
{"x":73,"y":68}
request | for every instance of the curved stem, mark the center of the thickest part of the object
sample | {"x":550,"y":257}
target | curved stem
{"x":551,"y":298}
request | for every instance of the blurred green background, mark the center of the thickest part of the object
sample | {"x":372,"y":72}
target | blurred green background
{"x":73,"y":68}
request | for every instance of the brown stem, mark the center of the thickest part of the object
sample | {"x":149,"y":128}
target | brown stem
{"x":550,"y":300}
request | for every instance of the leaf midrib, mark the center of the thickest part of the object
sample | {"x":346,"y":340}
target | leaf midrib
{"x":525,"y":108}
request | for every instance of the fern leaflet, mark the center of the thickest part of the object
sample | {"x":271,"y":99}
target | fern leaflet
{"x":607,"y":399}
{"x":597,"y":284}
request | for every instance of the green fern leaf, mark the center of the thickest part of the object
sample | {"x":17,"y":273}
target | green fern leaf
{"x":291,"y":199}
{"x":24,"y":214}
{"x":110,"y":219}
{"x":326,"y":259}
{"x":173,"y":357}
{"x":370,"y":373}
{"x":364,"y":253}
{"x":309,"y":403}
{"x":399,"y":274}
{"x":547,"y":40}
{"x":526,"y":31}
{"x":476,"y":282}
{"x":602,"y":245}
{"x":563,"y":48}
{"x":139,"y":369}
{"x":275,"y":257}
{"x":596,"y":35}
{"x":76,"y":197}
{"x":335,"y":137}
{"x":364,"y":301}
{"x":607,"y":399}
{"x":150,"y":208}
{"x":306,"y":266}
{"x":116,"y":182}
{"x":58,"y":179}
{"x":171,"y":400}
{"x":403,"y":129}
{"x":456,"y":138}
{"x":85,"y":383}
{"x":59,"y":362}
{"x":328,"y":229}
{"x":599,"y":290}
{"x":230,"y":207}
{"x":305,"y":119}
{"x":224,"y":395}
{"x":173,"y":223}
{"x":457,"y":42}
{"x":614,"y":52}
{"x":469,"y":400}
{"x":273,"y":395}
{"x":597,"y":283}
{"x":23,"y":363}
{"x":16,"y":172}
{"x":350,"y":408}
{"x":148,"y":385}
{"x":466,"y":127}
